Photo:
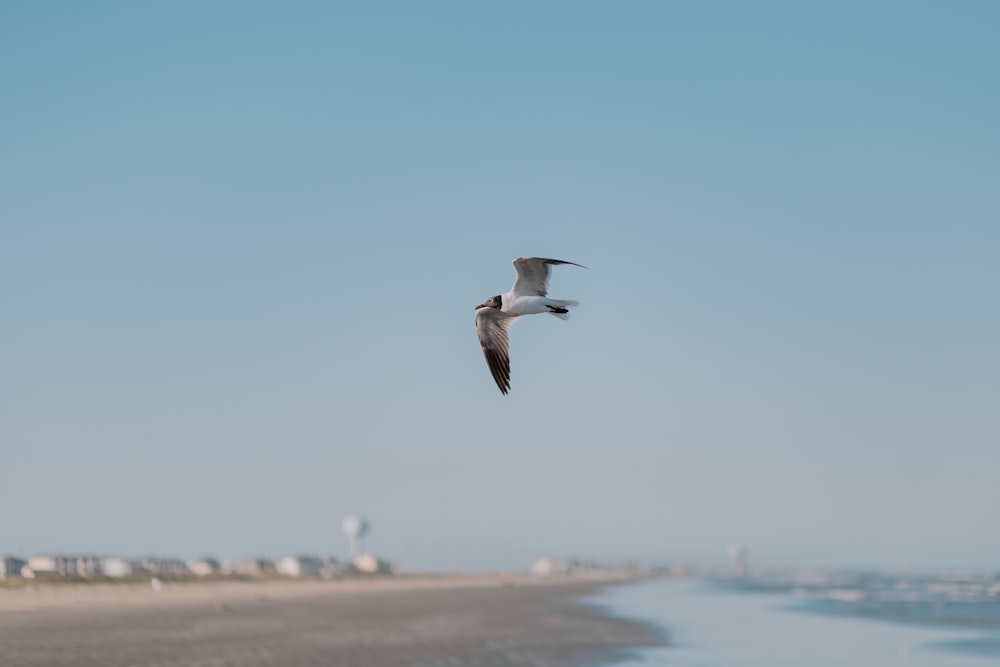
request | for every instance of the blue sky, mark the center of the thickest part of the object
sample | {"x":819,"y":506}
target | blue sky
{"x":241,"y":243}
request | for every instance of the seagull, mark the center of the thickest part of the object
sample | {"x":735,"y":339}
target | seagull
{"x":528,"y":296}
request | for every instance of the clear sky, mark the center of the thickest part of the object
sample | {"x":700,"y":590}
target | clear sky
{"x":241,"y":244}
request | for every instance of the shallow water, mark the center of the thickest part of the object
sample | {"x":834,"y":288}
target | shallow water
{"x":712,"y":627}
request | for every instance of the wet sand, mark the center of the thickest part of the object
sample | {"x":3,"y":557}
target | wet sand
{"x":446,"y":621}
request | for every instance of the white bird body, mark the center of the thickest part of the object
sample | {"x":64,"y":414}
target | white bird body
{"x":528,"y":296}
{"x":516,"y":305}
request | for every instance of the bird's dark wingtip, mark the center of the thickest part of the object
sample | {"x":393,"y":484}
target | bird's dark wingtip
{"x":563,"y":261}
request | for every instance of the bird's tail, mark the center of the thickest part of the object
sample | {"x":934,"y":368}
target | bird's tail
{"x":560,"y":307}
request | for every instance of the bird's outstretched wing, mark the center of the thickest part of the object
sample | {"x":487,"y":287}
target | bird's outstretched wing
{"x":492,"y":325}
{"x":533,"y":275}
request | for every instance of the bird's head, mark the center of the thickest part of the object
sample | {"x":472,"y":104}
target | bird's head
{"x":492,"y":302}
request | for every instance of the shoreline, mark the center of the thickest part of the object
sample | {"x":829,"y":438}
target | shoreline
{"x":502,"y":621}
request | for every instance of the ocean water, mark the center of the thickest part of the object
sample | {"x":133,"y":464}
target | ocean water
{"x":708,"y":625}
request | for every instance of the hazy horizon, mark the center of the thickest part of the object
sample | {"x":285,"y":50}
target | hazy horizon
{"x":241,"y":245}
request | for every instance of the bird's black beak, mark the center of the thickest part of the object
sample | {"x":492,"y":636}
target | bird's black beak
{"x":482,"y":305}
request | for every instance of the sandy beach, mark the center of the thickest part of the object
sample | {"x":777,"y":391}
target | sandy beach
{"x":412,"y":621}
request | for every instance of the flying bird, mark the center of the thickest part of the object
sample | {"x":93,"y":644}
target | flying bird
{"x":528,"y":296}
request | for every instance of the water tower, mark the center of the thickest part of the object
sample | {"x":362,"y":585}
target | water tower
{"x":355,"y":528}
{"x":738,"y":558}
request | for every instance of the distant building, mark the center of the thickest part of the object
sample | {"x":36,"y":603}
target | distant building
{"x":369,"y":564}
{"x":205,"y":567}
{"x":12,"y":567}
{"x":164,"y":567}
{"x":549,"y":566}
{"x":116,"y":567}
{"x":254,"y":567}
{"x":53,"y":566}
{"x":89,"y":566}
{"x":301,"y":566}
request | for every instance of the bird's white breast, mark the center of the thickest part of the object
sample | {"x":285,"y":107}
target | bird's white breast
{"x":524,"y":305}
